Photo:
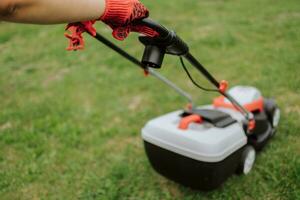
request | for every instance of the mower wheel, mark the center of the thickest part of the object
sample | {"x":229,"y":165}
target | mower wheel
{"x":247,"y":160}
{"x":273,"y":113}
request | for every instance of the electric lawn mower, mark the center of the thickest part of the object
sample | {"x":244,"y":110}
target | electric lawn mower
{"x":200,"y":147}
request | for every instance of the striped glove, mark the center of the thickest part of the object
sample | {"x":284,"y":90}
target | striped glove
{"x":119,"y":15}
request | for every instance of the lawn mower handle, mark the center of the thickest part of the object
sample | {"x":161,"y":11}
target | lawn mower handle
{"x":168,"y":42}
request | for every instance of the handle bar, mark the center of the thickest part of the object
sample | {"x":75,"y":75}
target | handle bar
{"x":176,"y":46}
{"x":168,"y":42}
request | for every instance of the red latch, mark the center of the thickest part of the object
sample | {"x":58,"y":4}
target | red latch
{"x":251,"y":125}
{"x":186,"y":121}
{"x":223,"y":86}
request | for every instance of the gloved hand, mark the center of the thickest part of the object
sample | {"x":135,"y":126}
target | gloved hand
{"x":76,"y":41}
{"x":119,"y":15}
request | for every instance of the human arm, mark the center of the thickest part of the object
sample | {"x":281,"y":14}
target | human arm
{"x":80,"y":14}
{"x":50,"y":11}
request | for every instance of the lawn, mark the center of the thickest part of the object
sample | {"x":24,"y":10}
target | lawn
{"x":70,"y":121}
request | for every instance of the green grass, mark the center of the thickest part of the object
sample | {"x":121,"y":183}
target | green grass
{"x":70,"y":121}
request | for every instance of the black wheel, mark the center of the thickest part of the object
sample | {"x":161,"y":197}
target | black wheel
{"x":273,"y":113}
{"x":247,"y":160}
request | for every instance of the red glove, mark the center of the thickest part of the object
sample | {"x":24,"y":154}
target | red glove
{"x":76,"y":29}
{"x":119,"y":15}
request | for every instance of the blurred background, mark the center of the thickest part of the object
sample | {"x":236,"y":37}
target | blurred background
{"x":70,"y":121}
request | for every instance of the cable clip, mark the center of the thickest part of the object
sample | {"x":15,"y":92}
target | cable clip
{"x":223,"y":86}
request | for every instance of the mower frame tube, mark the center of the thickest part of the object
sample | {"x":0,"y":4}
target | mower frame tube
{"x":173,"y":45}
{"x":152,"y":72}
{"x":120,"y":51}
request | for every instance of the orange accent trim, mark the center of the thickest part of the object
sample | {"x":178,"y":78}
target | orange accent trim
{"x":186,"y":121}
{"x":223,"y":86}
{"x":219,"y":102}
{"x":146,"y":72}
{"x":251,"y":125}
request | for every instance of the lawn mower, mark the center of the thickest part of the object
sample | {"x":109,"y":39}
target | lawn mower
{"x":201,"y":146}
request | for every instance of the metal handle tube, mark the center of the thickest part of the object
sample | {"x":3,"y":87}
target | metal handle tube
{"x":135,"y":61}
{"x":172,"y":85}
{"x":120,"y":51}
{"x":247,"y":114}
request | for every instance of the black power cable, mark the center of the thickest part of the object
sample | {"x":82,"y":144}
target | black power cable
{"x":192,"y":79}
{"x":206,"y":89}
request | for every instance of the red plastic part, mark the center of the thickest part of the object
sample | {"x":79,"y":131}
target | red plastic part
{"x":219,"y":102}
{"x":186,"y":121}
{"x":251,"y":125}
{"x":223,"y":86}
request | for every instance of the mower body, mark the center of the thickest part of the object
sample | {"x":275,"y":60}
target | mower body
{"x":204,"y":154}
